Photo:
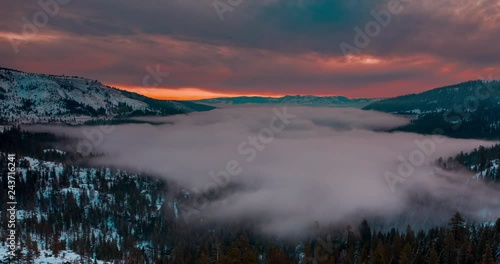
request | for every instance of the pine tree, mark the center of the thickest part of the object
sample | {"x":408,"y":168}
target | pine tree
{"x":433,"y":257}
{"x":397,"y":245}
{"x":410,"y":235}
{"x":447,"y":251}
{"x":204,"y":256}
{"x":56,"y":245}
{"x":365,"y":231}
{"x":457,"y":226}
{"x":29,"y":258}
{"x":406,"y":255}
{"x":482,"y":159}
{"x":469,"y":257}
{"x":241,"y":252}
{"x":277,"y":255}
{"x":488,"y":256}
{"x":379,"y":255}
{"x":497,"y":228}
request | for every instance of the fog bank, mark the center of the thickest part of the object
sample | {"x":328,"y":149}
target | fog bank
{"x":289,"y":168}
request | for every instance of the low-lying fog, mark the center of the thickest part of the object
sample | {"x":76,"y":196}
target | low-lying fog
{"x":290,"y":168}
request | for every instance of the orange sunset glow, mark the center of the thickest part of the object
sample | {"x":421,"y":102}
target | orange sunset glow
{"x":185,"y":94}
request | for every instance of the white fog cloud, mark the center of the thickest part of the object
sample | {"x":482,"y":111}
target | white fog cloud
{"x":326,"y":165}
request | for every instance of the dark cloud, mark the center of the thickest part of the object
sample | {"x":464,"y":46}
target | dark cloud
{"x":245,"y":52}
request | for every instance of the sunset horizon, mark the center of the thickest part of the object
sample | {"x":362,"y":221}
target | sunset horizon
{"x":196,"y":93}
{"x":376,"y":49}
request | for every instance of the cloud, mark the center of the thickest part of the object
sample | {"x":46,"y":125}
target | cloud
{"x":264,"y":47}
{"x":326,"y":166}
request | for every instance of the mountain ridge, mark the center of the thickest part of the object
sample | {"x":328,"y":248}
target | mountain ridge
{"x":465,"y":110}
{"x":43,"y":98}
{"x":445,"y":97}
{"x":302,"y":100}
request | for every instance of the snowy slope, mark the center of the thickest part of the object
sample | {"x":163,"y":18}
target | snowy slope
{"x":47,"y":257}
{"x":29,"y":97}
{"x":86,"y":187}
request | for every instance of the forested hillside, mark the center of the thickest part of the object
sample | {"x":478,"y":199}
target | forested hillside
{"x":466,"y":110}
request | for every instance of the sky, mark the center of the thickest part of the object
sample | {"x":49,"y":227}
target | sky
{"x":192,"y":49}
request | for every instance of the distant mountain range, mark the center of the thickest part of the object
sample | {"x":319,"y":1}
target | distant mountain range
{"x":483,"y":93}
{"x":40,"y":98}
{"x":298,"y":100}
{"x":466,"y":110}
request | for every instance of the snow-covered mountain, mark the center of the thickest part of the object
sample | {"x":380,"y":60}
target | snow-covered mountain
{"x":30,"y":97}
{"x":307,"y":100}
